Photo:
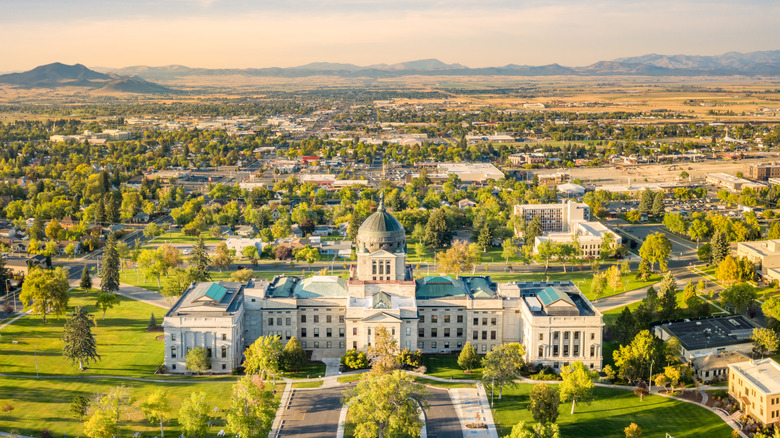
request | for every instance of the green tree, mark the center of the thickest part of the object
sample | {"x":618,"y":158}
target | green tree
{"x":598,"y":284}
{"x":109,"y":274}
{"x":656,"y":248}
{"x":577,"y":384}
{"x":152,"y":264}
{"x":198,"y":360}
{"x":45,"y":291}
{"x":739,"y":296}
{"x":633,"y":360}
{"x":250,"y":252}
{"x":157,"y":409}
{"x":457,"y":259}
{"x":698,"y":229}
{"x":658,"y":204}
{"x":293,"y":358}
{"x":668,"y":299}
{"x":262,"y":357}
{"x":383,"y":352}
{"x":80,"y":345}
{"x":545,"y":250}
{"x":437,"y":232}
{"x":108,"y":411}
{"x":543,"y":403}
{"x":719,"y":246}
{"x":533,"y":230}
{"x":200,"y":262}
{"x":646,"y":202}
{"x":222,"y":257}
{"x":468,"y":358}
{"x":106,"y":301}
{"x":502,"y":365}
{"x":386,"y":405}
{"x":771,"y":308}
{"x":485,"y":238}
{"x":633,"y":431}
{"x":355,"y":360}
{"x":79,"y":407}
{"x":625,"y":326}
{"x":101,"y":425}
{"x":689,"y":295}
{"x":765,"y":341}
{"x":509,"y":249}
{"x":86,"y":279}
{"x":252,"y":408}
{"x":614,"y":278}
{"x":194,"y":415}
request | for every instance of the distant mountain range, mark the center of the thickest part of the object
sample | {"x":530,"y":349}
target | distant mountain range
{"x":729,"y":64}
{"x":141,"y":79}
{"x":61,"y":75}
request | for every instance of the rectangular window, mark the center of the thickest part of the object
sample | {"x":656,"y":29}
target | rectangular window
{"x":433,"y":344}
{"x":328,"y":344}
{"x":328,"y":318}
{"x":173,"y":336}
{"x":476,"y":321}
{"x":354,"y":331}
{"x":565,"y":350}
{"x":555,"y":336}
{"x":208,"y":352}
{"x":224,"y":336}
{"x":493,"y":335}
{"x":354,"y":345}
{"x":316,"y":344}
{"x":329,"y":332}
{"x":541,"y":351}
{"x":420,"y":345}
{"x":446,"y":332}
{"x":434,"y":319}
{"x":541,"y":336}
{"x":460,"y":332}
{"x":484,"y":334}
{"x":303,"y":332}
{"x":409,"y":345}
{"x":484,"y":321}
{"x":492,"y":321}
{"x":446,"y":319}
{"x":576,"y":350}
{"x":475,"y":335}
{"x":434,"y":332}
{"x":316,"y":332}
{"x":316,"y":318}
{"x":422,"y":319}
{"x":287,"y":335}
{"x":341,"y":332}
{"x":460,"y":318}
{"x":224,"y":352}
{"x":287,"y":321}
{"x":341,"y":319}
{"x":484,"y":348}
{"x":592,"y":336}
{"x":446,"y":345}
{"x":592,"y":350}
{"x":576,"y":336}
{"x":270,"y":321}
{"x":408,"y":331}
{"x":224,"y":366}
{"x":565,"y":336}
{"x":278,"y":321}
{"x":341,"y":344}
{"x":421,"y":333}
{"x":303,"y":318}
{"x":555,"y":350}
{"x":173,"y":352}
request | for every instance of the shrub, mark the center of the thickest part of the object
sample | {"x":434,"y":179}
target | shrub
{"x":46,"y":433}
{"x":355,"y":360}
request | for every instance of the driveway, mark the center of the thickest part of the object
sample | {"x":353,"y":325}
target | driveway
{"x":313,"y":413}
{"x":442,"y":420}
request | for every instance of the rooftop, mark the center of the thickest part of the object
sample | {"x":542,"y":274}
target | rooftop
{"x":217,"y":297}
{"x":322,"y":286}
{"x":763,"y":373}
{"x":711,"y":332}
{"x":432,"y":287}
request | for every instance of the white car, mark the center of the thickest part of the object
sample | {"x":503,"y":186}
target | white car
{"x":187,"y":251}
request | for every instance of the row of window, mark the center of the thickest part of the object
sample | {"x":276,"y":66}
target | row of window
{"x":173,"y":337}
{"x":316,"y":319}
{"x":328,"y":332}
{"x":435,"y":332}
{"x":328,"y":344}
{"x":208,"y":351}
{"x":575,"y":350}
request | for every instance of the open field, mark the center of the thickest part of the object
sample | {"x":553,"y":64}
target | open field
{"x":613,"y":410}
{"x":125,"y":347}
{"x":45,"y":403}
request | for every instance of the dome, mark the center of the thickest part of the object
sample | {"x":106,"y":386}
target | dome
{"x":381,"y":231}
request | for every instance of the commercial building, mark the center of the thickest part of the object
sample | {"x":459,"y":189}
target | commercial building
{"x":764,"y":171}
{"x":765,"y":254}
{"x":470,"y":173}
{"x":434,"y":314}
{"x":731,"y":182}
{"x":555,"y":218}
{"x":755,"y":384}
{"x":706,"y":336}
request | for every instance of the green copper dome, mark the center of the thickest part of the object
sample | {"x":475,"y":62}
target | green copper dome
{"x":381,"y":231}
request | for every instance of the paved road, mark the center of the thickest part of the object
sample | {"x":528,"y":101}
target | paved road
{"x":313,"y":413}
{"x":442,"y":420}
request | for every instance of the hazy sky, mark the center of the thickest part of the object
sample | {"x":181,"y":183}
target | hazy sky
{"x":283,"y":33}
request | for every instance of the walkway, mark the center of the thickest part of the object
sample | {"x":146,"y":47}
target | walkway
{"x":133,"y":292}
{"x":473,"y":406}
{"x":6,"y":324}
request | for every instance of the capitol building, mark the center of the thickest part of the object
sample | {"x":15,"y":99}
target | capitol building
{"x":435,"y":314}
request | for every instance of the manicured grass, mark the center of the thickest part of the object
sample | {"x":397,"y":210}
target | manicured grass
{"x":44,"y":403}
{"x":451,"y":384}
{"x":311,"y":370}
{"x":613,"y":410}
{"x":350,"y":378}
{"x":180,"y":237}
{"x":446,"y":366}
{"x":315,"y":384}
{"x":125,"y":347}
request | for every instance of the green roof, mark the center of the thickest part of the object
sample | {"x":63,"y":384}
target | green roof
{"x":480,"y":287}
{"x":550,"y":295}
{"x":215,"y":292}
{"x":381,"y":300}
{"x":439,"y":287}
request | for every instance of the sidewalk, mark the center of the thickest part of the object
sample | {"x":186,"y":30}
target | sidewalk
{"x":472,"y":406}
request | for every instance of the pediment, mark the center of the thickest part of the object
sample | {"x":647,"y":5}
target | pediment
{"x":382,"y":317}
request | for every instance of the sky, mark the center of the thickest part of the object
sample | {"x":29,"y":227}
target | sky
{"x":286,"y":33}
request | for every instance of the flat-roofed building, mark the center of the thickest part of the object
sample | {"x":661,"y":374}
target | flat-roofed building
{"x":764,"y":171}
{"x":755,"y":384}
{"x":765,"y":254}
{"x":555,"y":218}
{"x":589,"y":235}
{"x":706,"y":336}
{"x":731,"y":182}
{"x":471,"y":172}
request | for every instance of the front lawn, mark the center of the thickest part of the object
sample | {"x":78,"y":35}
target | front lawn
{"x":45,"y":403}
{"x":613,"y":410}
{"x":124,"y":345}
{"x":446,"y":366}
{"x":312,"y":370}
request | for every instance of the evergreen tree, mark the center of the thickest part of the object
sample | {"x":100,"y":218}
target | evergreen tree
{"x":532,"y":230}
{"x":668,"y":298}
{"x":86,"y":279}
{"x":646,"y":202}
{"x":109,"y":275}
{"x":293,"y":357}
{"x":651,"y":298}
{"x":658,"y":204}
{"x":200,"y":262}
{"x":719,"y":247}
{"x":626,"y":326}
{"x":152,"y":323}
{"x":437,"y":231}
{"x":4,"y":275}
{"x":79,"y":342}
